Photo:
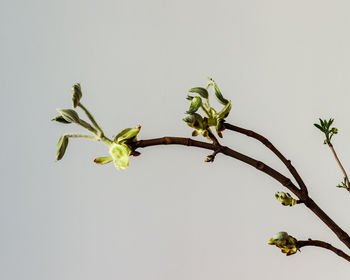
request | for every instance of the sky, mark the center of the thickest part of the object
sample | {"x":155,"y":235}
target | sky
{"x":170,"y":215}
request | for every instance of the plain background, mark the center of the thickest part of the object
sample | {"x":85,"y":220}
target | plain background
{"x":170,"y":215}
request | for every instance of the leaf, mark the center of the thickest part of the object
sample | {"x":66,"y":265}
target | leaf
{"x":321,"y":122}
{"x":60,"y":119}
{"x":330,"y":123}
{"x":319,"y":127}
{"x":225,"y":111}
{"x":201,"y":91}
{"x":103,"y":160}
{"x":61,"y":147}
{"x":219,"y":95}
{"x":127,"y":134}
{"x":195,"y":105}
{"x":69,"y":115}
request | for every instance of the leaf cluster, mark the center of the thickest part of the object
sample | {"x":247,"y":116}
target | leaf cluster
{"x":325,"y":127}
{"x":202,"y":123}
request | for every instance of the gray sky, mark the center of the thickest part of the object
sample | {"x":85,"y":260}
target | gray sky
{"x":170,"y":215}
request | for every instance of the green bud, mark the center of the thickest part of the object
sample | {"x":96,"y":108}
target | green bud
{"x":103,"y":160}
{"x":287,"y":243}
{"x":76,"y":94}
{"x":195,"y":105}
{"x":285,"y":198}
{"x":59,"y":119}
{"x":120,"y":154}
{"x":61,"y":147}
{"x":127,"y":134}
{"x":69,"y":115}
{"x":201,"y":91}
{"x":334,"y":130}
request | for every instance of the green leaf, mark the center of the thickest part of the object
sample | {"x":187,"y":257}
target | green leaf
{"x":330,"y":123}
{"x":103,"y":160}
{"x":201,"y":91}
{"x":61,"y":147}
{"x":189,"y":97}
{"x":219,"y":95}
{"x":319,"y":127}
{"x":195,"y":105}
{"x":127,"y":134}
{"x":76,"y":94}
{"x":59,"y":119}
{"x":321,"y":122}
{"x":120,"y":154}
{"x":69,"y":115}
{"x":225,"y":111}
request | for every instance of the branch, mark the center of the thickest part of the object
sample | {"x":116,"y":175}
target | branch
{"x":322,"y":244}
{"x":225,"y":150}
{"x":340,"y":165}
{"x":342,"y":235}
{"x":270,"y":146}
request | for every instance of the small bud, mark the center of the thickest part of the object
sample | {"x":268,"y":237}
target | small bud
{"x":195,"y":133}
{"x":285,"y":198}
{"x":103,"y":160}
{"x":287,"y":243}
{"x":135,"y":153}
{"x":59,"y":119}
{"x":76,"y":94}
{"x":61,"y":147}
{"x":69,"y":115}
{"x":210,"y":158}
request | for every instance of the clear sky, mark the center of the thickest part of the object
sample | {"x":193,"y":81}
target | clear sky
{"x":170,"y":216}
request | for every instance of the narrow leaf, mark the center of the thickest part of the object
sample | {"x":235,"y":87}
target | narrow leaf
{"x":195,"y":105}
{"x":319,"y":127}
{"x":127,"y":134}
{"x":69,"y":115}
{"x":201,"y":91}
{"x":103,"y":160}
{"x":60,"y":119}
{"x":219,"y":95}
{"x":225,"y":111}
{"x":61,"y":147}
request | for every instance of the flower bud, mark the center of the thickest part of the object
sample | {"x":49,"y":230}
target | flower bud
{"x":76,"y":94}
{"x":287,"y":243}
{"x":285,"y":198}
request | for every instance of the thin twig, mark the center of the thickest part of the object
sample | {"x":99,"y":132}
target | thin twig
{"x":269,"y":145}
{"x":322,"y":244}
{"x":91,"y":118}
{"x":330,"y":145}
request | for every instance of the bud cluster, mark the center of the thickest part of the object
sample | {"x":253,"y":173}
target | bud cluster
{"x":287,"y":243}
{"x":200,"y":123}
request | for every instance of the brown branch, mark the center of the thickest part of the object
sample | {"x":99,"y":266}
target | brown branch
{"x":340,"y":165}
{"x":342,"y":235}
{"x":225,"y":150}
{"x":270,"y":146}
{"x":322,"y":244}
